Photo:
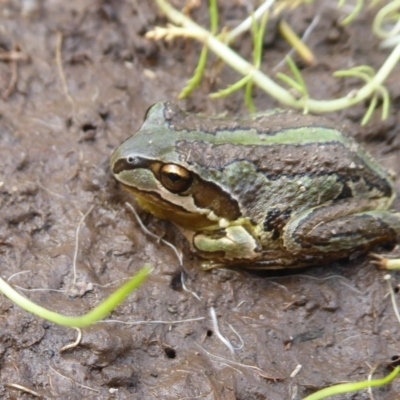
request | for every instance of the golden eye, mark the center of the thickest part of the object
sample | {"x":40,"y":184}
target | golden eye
{"x":175,"y":178}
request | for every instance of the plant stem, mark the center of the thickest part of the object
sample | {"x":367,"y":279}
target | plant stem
{"x":266,"y":83}
{"x":353,"y":386}
{"x":99,"y":312}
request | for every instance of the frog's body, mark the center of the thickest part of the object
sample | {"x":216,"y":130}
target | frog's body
{"x":273,"y":190}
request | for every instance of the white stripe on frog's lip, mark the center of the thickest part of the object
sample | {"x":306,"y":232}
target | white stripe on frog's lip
{"x":153,"y":186}
{"x":204,"y":195}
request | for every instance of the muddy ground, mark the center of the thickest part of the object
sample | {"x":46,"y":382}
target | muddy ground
{"x":336,"y":322}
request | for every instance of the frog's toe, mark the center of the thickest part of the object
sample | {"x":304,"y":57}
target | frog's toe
{"x":384,"y":262}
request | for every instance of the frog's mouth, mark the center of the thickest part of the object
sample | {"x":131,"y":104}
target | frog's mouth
{"x":153,"y":203}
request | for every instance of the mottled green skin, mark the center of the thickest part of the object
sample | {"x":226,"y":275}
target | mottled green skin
{"x":285,"y":190}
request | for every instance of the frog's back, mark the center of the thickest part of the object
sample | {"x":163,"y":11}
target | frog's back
{"x":269,"y":158}
{"x":281,"y":152}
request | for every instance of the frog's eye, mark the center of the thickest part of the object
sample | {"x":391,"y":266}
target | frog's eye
{"x":175,"y":178}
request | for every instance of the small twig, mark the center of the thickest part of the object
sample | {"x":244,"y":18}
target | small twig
{"x":32,"y":290}
{"x":61,"y":69}
{"x":17,"y":273}
{"x":296,"y":43}
{"x":349,"y":338}
{"x":46,"y":189}
{"x":174,"y":322}
{"x":40,"y":289}
{"x":74,"y":344}
{"x":109,"y":283}
{"x":77,"y":241}
{"x":238,"y":336}
{"x":13,"y":80}
{"x":304,"y":38}
{"x":224,"y":340}
{"x":387,"y":278}
{"x":239,"y":305}
{"x":225,"y":360}
{"x":371,"y":395}
{"x":296,"y":370}
{"x":73,"y":381}
{"x":23,"y":389}
{"x":154,"y":236}
{"x":13,"y":57}
{"x":341,"y":279}
{"x":200,"y":396}
{"x":247,"y":23}
{"x":184,"y":287}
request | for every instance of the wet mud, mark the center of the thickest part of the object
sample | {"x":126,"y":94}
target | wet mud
{"x":77,"y":81}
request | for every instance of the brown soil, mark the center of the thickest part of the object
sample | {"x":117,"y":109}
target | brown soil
{"x":335,"y":322}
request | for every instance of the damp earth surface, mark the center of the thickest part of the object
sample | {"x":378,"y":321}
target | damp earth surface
{"x":76,"y":79}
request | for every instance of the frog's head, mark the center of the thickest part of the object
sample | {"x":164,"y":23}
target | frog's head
{"x":150,"y":166}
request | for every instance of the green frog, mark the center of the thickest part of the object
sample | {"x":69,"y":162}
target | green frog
{"x":272,"y":190}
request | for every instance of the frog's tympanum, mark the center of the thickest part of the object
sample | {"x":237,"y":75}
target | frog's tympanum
{"x":272,"y":190}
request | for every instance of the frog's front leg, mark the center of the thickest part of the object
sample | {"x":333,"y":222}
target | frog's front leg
{"x":229,"y":244}
{"x":339,"y":229}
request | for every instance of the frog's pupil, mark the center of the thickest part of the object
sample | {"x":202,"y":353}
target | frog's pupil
{"x":174,"y":177}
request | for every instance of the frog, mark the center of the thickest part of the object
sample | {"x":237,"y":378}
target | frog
{"x":271,"y":190}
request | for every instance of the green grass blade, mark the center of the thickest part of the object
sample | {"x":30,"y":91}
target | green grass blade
{"x":290,"y":82}
{"x":213,"y":10}
{"x":196,"y":79}
{"x":231,"y":89}
{"x":297,"y":74}
{"x":99,"y":312}
{"x":353,"y":387}
{"x":249,"y":97}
